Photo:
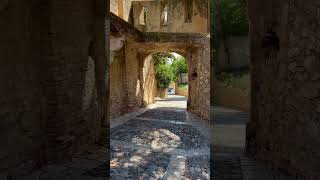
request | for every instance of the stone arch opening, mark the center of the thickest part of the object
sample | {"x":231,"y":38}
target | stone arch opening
{"x":178,"y":87}
{"x":196,"y":56}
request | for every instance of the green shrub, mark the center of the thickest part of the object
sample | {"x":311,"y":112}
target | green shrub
{"x":183,"y":86}
{"x":165,"y":72}
{"x":162,"y":58}
{"x":179,"y":66}
{"x":164,"y":75}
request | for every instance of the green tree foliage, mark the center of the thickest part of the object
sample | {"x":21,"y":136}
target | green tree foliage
{"x":233,"y":20}
{"x":164,"y":75}
{"x":164,"y":71}
{"x":179,"y":66}
{"x":162,"y":57}
{"x":232,"y":17}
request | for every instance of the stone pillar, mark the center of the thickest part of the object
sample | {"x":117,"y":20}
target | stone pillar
{"x":199,"y":81}
{"x":133,"y":77}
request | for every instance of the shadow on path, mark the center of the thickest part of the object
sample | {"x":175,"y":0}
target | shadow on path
{"x":159,"y":143}
{"x":227,"y":161}
{"x":227,"y":143}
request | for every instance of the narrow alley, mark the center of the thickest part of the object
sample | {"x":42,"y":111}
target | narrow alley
{"x":84,"y":88}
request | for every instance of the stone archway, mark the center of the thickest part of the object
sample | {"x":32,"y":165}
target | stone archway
{"x":198,"y":60}
{"x":148,"y":78}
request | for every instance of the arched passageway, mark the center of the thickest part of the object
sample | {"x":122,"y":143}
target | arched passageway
{"x":159,"y":128}
{"x":163,"y":74}
{"x":136,"y":50}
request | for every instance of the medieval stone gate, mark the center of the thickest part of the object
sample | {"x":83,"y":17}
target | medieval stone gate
{"x":138,"y":45}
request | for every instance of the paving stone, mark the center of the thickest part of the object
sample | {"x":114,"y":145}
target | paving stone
{"x":137,"y":164}
{"x":141,"y":147}
{"x":173,"y":136}
{"x":165,"y":115}
{"x":198,"y":167}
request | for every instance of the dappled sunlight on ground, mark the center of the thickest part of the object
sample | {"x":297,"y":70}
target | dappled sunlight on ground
{"x":171,"y":136}
{"x":160,"y":139}
{"x":139,"y":164}
{"x":159,"y":143}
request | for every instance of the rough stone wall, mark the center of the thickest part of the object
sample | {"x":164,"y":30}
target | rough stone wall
{"x":238,"y":48}
{"x":127,"y":7}
{"x":199,"y":81}
{"x":285,"y":52}
{"x":150,"y":89}
{"x":176,"y":16}
{"x":133,"y":77}
{"x":180,"y":91}
{"x":132,"y":81}
{"x":50,"y":74}
{"x":118,"y":88}
{"x":232,"y":97}
{"x":70,"y":126}
{"x":114,"y":6}
{"x":21,"y":99}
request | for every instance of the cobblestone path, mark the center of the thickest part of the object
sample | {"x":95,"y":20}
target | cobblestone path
{"x":163,"y":142}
